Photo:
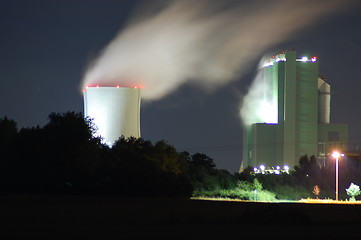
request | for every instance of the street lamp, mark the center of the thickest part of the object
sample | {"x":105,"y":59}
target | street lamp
{"x":337,"y":155}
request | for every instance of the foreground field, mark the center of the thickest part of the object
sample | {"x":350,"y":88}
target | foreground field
{"x":308,"y":200}
{"x":64,"y":217}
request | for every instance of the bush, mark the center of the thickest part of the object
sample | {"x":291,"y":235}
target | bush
{"x":237,"y":193}
{"x":288,"y":192}
{"x":266,"y":196}
{"x":353,"y":191}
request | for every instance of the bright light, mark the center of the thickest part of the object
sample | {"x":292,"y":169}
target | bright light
{"x":304,"y":59}
{"x":286,"y":168}
{"x":313,"y":59}
{"x":336,"y":154}
{"x":278,"y":59}
{"x":267,"y":64}
{"x":273,"y":170}
{"x":268,"y":112}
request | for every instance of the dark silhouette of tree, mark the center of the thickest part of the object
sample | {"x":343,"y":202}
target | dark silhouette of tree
{"x":308,"y":171}
{"x":202,"y":160}
{"x":64,"y":157}
{"x":136,"y":167}
{"x":8,"y":131}
{"x":73,"y":150}
{"x":59,"y":157}
{"x":204,"y":175}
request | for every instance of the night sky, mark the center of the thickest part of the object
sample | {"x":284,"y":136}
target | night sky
{"x":45,"y":47}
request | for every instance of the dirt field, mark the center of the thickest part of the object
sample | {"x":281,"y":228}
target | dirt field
{"x":70,"y":217}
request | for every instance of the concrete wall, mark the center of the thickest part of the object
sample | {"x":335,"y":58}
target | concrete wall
{"x":306,"y":109}
{"x":114,"y":110}
{"x":265,"y":151}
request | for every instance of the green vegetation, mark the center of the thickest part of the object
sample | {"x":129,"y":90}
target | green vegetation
{"x":353,"y":191}
{"x":316,"y":191}
{"x":64,"y":157}
{"x":243,"y":191}
{"x":299,"y":184}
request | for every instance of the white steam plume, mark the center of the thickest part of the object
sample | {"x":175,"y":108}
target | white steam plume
{"x":258,"y":105}
{"x":204,"y":42}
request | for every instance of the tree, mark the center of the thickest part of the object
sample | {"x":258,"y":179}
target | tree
{"x":168,"y":157}
{"x":353,"y":191}
{"x":202,"y":172}
{"x":308,"y":172}
{"x":71,"y":148}
{"x":60,"y":157}
{"x":8,"y":133}
{"x":135,"y":167}
{"x":8,"y":130}
{"x":316,"y":191}
{"x":257,"y":185}
{"x":201,"y":159}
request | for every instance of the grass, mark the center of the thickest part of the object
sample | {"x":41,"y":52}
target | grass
{"x":237,"y":194}
{"x":241,"y":200}
{"x":308,"y":200}
{"x":329,"y":201}
{"x":105,"y":217}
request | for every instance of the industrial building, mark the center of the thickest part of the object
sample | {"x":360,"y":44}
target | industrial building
{"x":115,"y":111}
{"x":300,"y":99}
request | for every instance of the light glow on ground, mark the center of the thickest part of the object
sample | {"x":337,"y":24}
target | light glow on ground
{"x":308,"y":200}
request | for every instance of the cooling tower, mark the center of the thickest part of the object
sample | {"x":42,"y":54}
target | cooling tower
{"x":115,"y":111}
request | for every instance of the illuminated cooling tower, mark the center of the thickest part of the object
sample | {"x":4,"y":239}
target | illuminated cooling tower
{"x":115,"y":111}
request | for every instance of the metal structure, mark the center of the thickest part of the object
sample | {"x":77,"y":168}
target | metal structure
{"x":115,"y":111}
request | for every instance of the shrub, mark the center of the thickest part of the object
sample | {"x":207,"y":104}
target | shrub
{"x":353,"y":191}
{"x":288,"y":192}
{"x":237,"y":193}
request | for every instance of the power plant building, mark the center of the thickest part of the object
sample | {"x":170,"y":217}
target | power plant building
{"x":300,"y":99}
{"x":115,"y":111}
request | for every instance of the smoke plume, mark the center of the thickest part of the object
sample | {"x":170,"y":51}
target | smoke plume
{"x":258,"y":105}
{"x":208,"y":43}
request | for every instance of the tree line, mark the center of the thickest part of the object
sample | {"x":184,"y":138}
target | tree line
{"x":65,"y":157}
{"x":307,"y":176}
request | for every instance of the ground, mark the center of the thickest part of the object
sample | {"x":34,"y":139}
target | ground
{"x":67,"y":217}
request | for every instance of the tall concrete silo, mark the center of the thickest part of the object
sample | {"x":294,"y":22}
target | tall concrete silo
{"x":324,"y":101}
{"x":115,"y":111}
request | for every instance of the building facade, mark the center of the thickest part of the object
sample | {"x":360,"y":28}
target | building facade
{"x":300,"y":99}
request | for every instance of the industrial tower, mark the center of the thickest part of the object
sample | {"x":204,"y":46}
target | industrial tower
{"x":300,"y":98}
{"x":115,"y":111}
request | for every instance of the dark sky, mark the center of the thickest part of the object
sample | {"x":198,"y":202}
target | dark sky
{"x":45,"y":47}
